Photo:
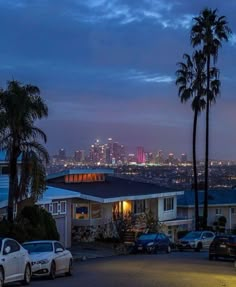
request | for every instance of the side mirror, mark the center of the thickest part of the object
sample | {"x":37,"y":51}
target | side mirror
{"x":7,"y":250}
{"x":59,"y":250}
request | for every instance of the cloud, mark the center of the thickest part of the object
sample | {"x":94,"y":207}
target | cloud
{"x":126,"y":12}
{"x":149,"y":77}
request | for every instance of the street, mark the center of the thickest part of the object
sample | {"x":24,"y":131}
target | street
{"x":178,"y":269}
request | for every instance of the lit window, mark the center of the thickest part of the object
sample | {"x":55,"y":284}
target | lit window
{"x":96,"y":210}
{"x":81,"y":211}
{"x":168,"y":203}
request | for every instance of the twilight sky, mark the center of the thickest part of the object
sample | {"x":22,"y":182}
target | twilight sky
{"x":106,"y":68}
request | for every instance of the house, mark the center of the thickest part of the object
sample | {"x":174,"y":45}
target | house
{"x":95,"y":198}
{"x":86,"y":202}
{"x":220,"y":203}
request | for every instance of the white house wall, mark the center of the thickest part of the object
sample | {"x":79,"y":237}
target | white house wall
{"x":166,"y":215}
{"x":212,"y":217}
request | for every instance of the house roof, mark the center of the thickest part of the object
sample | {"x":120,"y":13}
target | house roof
{"x":53,"y":193}
{"x":116,"y":189}
{"x":215,"y":198}
{"x":3,"y":157}
{"x":81,"y":171}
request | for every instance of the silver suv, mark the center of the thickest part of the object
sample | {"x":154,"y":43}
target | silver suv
{"x":196,"y":240}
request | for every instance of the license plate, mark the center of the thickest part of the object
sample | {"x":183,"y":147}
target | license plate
{"x":140,"y":248}
{"x":222,"y":245}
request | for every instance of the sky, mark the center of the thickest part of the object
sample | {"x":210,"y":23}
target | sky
{"x":106,"y":68}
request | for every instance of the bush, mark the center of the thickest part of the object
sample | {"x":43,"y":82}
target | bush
{"x":33,"y":223}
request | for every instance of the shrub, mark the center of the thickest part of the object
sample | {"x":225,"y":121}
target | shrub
{"x":33,"y":223}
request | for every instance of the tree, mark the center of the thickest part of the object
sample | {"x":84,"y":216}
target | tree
{"x":20,"y":106}
{"x":208,"y":31}
{"x":191,"y":79}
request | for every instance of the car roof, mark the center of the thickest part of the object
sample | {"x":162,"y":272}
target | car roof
{"x":40,"y":241}
{"x":226,"y":235}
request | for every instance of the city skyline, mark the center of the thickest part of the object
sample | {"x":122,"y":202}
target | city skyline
{"x":107,"y":68}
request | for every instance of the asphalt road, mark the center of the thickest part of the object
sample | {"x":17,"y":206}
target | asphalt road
{"x":178,"y":269}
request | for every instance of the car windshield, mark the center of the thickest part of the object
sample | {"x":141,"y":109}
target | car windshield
{"x":38,"y":247}
{"x":147,"y":237}
{"x":192,"y":235}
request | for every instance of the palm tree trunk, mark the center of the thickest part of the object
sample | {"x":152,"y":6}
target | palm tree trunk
{"x":195,"y":171}
{"x":12,"y":184}
{"x":205,"y":211}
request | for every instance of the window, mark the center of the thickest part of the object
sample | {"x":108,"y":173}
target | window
{"x":233,"y":210}
{"x":81,"y":211}
{"x":55,"y":208}
{"x":218,"y":211}
{"x":139,"y":206}
{"x":13,"y":245}
{"x":168,"y":203}
{"x":58,"y":245}
{"x":63,"y":207}
{"x":96,"y":210}
{"x":208,"y":235}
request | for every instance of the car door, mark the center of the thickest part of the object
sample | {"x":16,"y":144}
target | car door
{"x":11,"y":261}
{"x":207,"y":239}
{"x":59,"y":257}
{"x":161,"y":241}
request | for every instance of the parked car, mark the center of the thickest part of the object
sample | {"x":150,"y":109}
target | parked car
{"x":49,"y":258}
{"x":196,"y":240}
{"x":15,"y":264}
{"x":152,"y":243}
{"x":223,"y":246}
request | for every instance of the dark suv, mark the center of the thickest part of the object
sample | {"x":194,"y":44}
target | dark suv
{"x":223,"y":246}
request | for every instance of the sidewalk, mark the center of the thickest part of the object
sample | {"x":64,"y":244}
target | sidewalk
{"x":90,"y":250}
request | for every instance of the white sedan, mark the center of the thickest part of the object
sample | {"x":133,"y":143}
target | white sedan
{"x":15,"y":264}
{"x":49,"y":258}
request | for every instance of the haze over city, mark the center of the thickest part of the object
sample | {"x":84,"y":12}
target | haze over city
{"x":106,"y":68}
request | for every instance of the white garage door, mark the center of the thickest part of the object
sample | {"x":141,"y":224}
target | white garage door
{"x":61,"y":228}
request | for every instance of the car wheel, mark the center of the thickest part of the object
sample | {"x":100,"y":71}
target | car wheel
{"x":198,"y":248}
{"x":1,"y":277}
{"x":69,"y":272}
{"x":52,"y":274}
{"x":27,"y":275}
{"x":168,"y":250}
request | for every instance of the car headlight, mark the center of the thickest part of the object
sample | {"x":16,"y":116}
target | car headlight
{"x":43,"y":261}
{"x":150,"y":243}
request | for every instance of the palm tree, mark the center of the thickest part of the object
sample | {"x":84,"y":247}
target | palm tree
{"x":20,"y":106}
{"x":191,"y":80}
{"x":208,"y":31}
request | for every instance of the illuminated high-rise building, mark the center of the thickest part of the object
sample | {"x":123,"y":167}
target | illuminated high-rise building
{"x":62,"y":153}
{"x":171,"y":158}
{"x":160,"y":157}
{"x":140,"y":154}
{"x":79,"y":156}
